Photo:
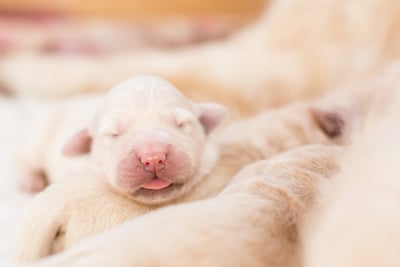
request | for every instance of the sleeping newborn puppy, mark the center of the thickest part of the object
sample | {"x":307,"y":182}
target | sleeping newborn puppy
{"x":253,"y":222}
{"x":148,"y":140}
{"x":131,"y":173}
{"x":143,"y":121}
{"x":147,"y":144}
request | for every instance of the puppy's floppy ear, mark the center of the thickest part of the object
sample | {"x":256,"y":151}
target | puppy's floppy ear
{"x":78,"y":144}
{"x":211,"y":115}
{"x":331,"y":122}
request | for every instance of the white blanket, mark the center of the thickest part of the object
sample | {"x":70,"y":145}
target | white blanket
{"x":12,"y":200}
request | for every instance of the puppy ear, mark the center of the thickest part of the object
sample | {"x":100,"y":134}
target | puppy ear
{"x":211,"y":115}
{"x":330,"y":122}
{"x":79,"y":144}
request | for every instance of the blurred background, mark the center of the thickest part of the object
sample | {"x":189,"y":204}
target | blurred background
{"x":134,"y":9}
{"x":100,"y":26}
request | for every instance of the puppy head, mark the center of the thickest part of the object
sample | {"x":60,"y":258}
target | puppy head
{"x":149,"y":141}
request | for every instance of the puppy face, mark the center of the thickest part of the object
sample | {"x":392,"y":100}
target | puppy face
{"x":149,"y":141}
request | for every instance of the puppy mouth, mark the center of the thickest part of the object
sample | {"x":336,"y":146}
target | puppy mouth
{"x":156,"y":184}
{"x":157,"y":191}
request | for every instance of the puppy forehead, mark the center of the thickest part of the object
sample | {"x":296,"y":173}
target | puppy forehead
{"x":143,"y":82}
{"x":146,"y":93}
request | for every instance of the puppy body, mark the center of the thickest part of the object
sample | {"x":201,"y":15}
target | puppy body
{"x":70,"y":211}
{"x":39,"y":158}
{"x":357,"y":222}
{"x":253,"y":222}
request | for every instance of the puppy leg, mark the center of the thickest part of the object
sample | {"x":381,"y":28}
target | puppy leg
{"x":33,"y":181}
{"x":32,"y":152}
{"x":40,"y":226}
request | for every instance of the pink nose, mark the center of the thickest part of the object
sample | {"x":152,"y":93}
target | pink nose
{"x":153,"y":162}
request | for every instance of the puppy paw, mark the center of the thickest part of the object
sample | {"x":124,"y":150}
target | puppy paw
{"x":33,"y":183}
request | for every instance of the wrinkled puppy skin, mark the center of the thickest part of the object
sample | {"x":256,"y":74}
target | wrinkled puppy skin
{"x":113,"y":191}
{"x":253,"y":222}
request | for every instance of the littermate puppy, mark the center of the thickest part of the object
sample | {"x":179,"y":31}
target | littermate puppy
{"x":253,"y":222}
{"x":151,"y":147}
{"x":50,"y":123}
{"x":357,"y":223}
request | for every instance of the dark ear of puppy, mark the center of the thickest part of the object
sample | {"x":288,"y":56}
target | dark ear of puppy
{"x":331,"y":122}
{"x":5,"y":91}
{"x":78,"y":145}
{"x":211,"y":115}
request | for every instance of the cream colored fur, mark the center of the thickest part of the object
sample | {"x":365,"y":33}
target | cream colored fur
{"x":298,"y":49}
{"x":54,"y":123}
{"x":253,"y":222}
{"x":50,"y":124}
{"x":357,"y":223}
{"x":305,"y":47}
{"x":70,"y":211}
{"x":41,"y":162}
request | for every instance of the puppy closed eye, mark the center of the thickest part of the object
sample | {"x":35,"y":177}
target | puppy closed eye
{"x":183,"y":120}
{"x":184,"y":124}
{"x":113,"y":130}
{"x":114,"y":123}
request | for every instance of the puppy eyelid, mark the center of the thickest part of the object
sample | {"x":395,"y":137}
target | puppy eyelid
{"x":182,"y":118}
{"x":114,"y":135}
{"x":109,"y":133}
{"x":111,"y":130}
{"x":183,"y":123}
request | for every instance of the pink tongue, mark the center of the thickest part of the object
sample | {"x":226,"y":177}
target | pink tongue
{"x":156,"y":184}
